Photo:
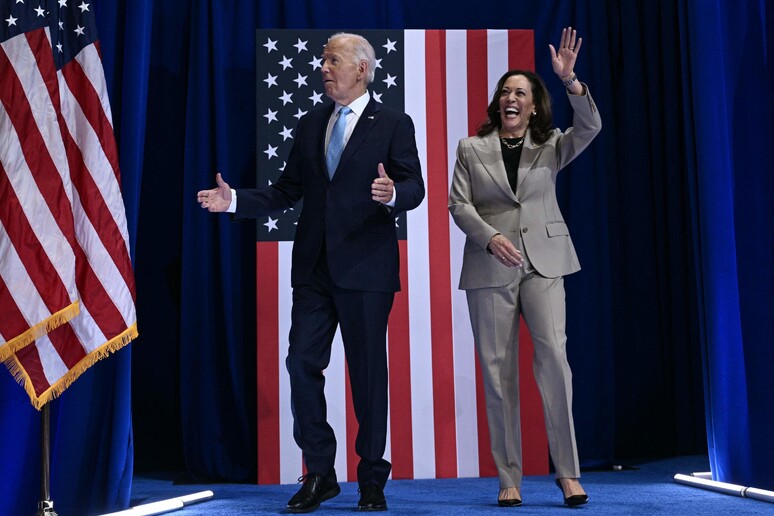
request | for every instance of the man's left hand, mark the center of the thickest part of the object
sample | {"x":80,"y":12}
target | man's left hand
{"x":382,"y":187}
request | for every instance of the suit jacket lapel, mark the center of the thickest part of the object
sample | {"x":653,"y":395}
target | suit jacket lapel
{"x":364,"y":125}
{"x":491,"y":156}
{"x":323,"y":165}
{"x":529,"y":154}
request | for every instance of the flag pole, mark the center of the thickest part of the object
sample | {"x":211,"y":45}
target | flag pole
{"x":45,"y":505}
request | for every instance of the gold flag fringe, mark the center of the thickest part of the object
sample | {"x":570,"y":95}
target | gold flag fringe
{"x":21,"y":376}
{"x":52,"y":322}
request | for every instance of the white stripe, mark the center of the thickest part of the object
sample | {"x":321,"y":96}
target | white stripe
{"x":91,"y":63}
{"x":420,"y":336}
{"x":102,"y":265}
{"x":497,"y":57}
{"x":336,"y":398}
{"x":464,"y":353}
{"x":45,"y":227}
{"x":36,"y":92}
{"x":20,"y":286}
{"x":53,"y":367}
{"x":290,"y":454}
{"x":95,"y":160}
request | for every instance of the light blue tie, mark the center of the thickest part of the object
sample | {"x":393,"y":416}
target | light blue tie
{"x":336,"y":143}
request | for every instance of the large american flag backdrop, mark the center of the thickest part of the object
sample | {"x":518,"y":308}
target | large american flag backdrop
{"x":438,"y":429}
{"x":66,"y":279}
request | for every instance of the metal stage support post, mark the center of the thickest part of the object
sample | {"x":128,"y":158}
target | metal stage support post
{"x":45,"y":505}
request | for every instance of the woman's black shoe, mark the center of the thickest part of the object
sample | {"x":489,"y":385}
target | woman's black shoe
{"x":573,"y":500}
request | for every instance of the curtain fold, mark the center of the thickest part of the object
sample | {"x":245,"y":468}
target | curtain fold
{"x":731,"y":87}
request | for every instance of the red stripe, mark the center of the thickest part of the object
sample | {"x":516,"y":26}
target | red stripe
{"x":31,"y":253}
{"x":82,"y":88}
{"x":440,"y":270}
{"x":29,"y":359}
{"x":36,"y":154}
{"x":521,"y":50}
{"x":67,"y":345}
{"x":351,"y":427}
{"x":92,"y":201}
{"x":267,"y":361}
{"x":401,"y":437}
{"x":12,"y":324}
{"x":478,"y":94}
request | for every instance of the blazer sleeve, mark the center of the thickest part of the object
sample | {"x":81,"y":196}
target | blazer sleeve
{"x":461,"y":202}
{"x":586,"y":124}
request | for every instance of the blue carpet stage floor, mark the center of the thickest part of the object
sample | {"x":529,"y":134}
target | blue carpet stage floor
{"x":647,"y":488}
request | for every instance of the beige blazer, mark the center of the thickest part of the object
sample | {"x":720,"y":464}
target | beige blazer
{"x":482,"y":203}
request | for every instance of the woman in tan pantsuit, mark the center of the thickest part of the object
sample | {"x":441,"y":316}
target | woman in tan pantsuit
{"x":517,"y":251}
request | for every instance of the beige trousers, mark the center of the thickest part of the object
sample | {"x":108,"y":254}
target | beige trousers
{"x":494,"y":315}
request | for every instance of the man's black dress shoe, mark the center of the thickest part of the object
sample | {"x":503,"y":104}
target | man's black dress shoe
{"x":316,"y":489}
{"x":371,"y":498}
{"x":573,"y":500}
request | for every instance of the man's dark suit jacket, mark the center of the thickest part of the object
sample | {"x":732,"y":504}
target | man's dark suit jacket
{"x":360,"y":234}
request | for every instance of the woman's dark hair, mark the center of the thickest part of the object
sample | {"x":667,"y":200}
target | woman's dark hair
{"x":540,"y":125}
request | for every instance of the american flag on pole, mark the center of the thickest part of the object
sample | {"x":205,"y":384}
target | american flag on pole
{"x":444,"y":80}
{"x":66,"y":280}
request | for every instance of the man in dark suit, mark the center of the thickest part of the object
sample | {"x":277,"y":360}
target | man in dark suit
{"x":355,"y":164}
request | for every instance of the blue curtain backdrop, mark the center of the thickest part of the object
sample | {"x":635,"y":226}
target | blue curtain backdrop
{"x":672,"y":211}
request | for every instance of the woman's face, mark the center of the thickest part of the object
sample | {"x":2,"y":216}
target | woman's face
{"x":516,"y":106}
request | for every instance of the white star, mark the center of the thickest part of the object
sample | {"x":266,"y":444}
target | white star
{"x":11,"y":20}
{"x":271,"y":152}
{"x":286,"y":133}
{"x":377,"y":97}
{"x":270,"y":80}
{"x":390,"y":80}
{"x":282,"y":168}
{"x":61,"y":25}
{"x":301,"y":80}
{"x":378,"y":63}
{"x":285,"y":98}
{"x":286,"y":63}
{"x":390,"y":46}
{"x":62,"y":3}
{"x":40,"y":11}
{"x":59,"y":47}
{"x":272,"y":224}
{"x":301,"y":45}
{"x":316,"y":98}
{"x":300,"y":113}
{"x":270,"y":45}
{"x":316,"y":63}
{"x":79,"y":30}
{"x":270,"y":116}
{"x":83,"y":7}
{"x":19,"y":1}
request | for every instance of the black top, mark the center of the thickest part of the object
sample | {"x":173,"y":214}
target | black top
{"x":511,"y":148}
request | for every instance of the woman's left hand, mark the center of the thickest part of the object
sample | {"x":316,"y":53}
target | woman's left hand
{"x":563,"y":61}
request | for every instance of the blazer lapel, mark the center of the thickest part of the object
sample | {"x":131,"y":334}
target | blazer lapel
{"x":529,"y":154}
{"x":323,"y":165}
{"x":490,"y":155}
{"x":364,"y":125}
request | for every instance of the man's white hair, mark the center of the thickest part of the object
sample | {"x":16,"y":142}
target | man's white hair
{"x":362,"y":49}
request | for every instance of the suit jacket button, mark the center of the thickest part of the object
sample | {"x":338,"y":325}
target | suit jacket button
{"x":524,"y":230}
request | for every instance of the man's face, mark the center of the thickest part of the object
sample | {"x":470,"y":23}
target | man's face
{"x":343,"y":77}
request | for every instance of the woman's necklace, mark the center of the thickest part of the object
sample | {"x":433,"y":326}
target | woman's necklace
{"x":516,"y":145}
